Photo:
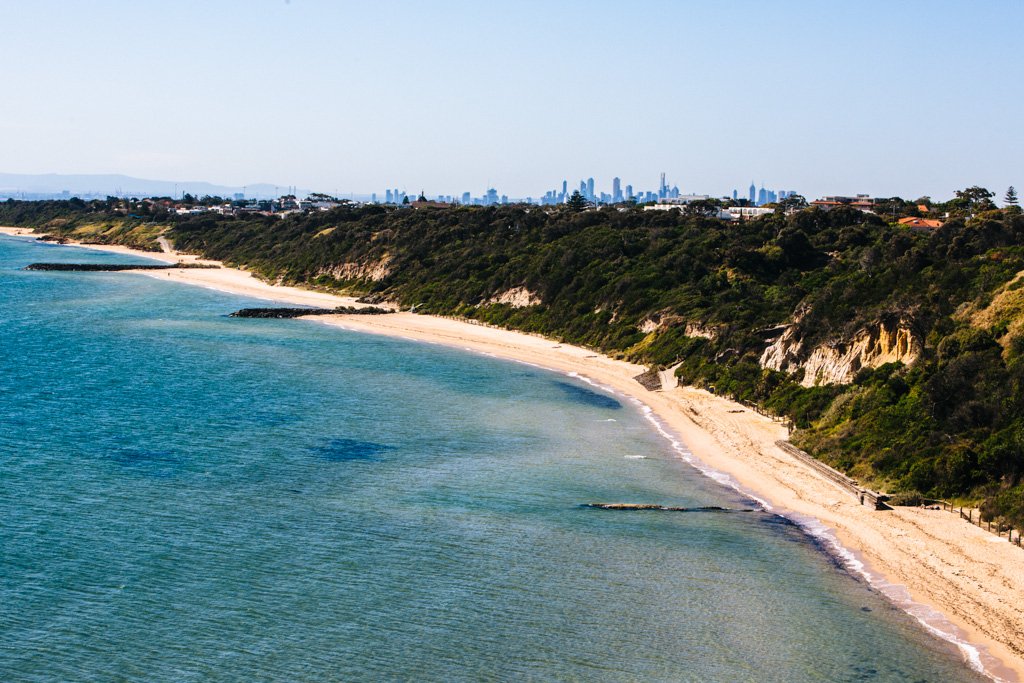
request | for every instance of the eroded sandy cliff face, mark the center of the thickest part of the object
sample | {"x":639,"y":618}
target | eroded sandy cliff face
{"x":838,"y":362}
{"x":696,"y":330}
{"x":660,"y":321}
{"x":374,"y":271}
{"x":517,"y":297}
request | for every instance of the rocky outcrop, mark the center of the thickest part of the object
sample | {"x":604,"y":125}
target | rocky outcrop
{"x":517,"y":297}
{"x":663,"y":321}
{"x":784,"y":352}
{"x":650,"y":380}
{"x":838,"y":362}
{"x":371,"y":271}
{"x":647,"y":326}
{"x":696,"y":330}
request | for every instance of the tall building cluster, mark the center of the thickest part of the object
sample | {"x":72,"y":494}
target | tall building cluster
{"x":762,"y":196}
{"x":619,"y":194}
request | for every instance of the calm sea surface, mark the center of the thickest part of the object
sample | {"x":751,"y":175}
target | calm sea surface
{"x":190,"y":497}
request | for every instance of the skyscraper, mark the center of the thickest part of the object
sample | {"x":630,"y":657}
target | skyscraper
{"x":753,"y":194}
{"x":590,"y":189}
{"x":616,"y":190}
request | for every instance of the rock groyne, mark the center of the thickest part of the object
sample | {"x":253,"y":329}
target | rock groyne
{"x":299,"y":312}
{"x":110,"y":267}
{"x":662,"y":508}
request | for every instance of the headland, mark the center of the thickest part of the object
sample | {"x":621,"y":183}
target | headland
{"x":962,"y":583}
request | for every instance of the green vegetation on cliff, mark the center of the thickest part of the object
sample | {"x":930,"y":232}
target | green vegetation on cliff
{"x":708,"y":298}
{"x":90,"y":222}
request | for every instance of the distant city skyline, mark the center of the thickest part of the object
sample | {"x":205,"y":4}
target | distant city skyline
{"x":589,"y":189}
{"x":84,"y":186}
{"x":889,"y":99}
{"x":47,"y":186}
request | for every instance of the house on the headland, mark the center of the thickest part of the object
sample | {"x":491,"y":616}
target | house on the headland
{"x":746,"y":213}
{"x":861,"y":202}
{"x":920,"y":224}
{"x":732,"y":213}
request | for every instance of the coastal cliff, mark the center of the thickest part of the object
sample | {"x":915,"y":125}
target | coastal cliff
{"x":366,"y":271}
{"x":896,"y":355}
{"x":516,"y":297}
{"x":839,"y":361}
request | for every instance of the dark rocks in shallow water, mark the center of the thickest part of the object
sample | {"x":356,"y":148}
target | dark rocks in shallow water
{"x":299,"y":312}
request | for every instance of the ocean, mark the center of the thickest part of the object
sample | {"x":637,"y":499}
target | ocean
{"x":186,"y":496}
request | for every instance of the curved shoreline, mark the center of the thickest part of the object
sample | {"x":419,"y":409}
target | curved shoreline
{"x":957,"y":580}
{"x":736,"y":447}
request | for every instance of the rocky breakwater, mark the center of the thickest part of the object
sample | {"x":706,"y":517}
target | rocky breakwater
{"x":838,"y":361}
{"x":110,"y":267}
{"x":663,"y":508}
{"x":300,"y":312}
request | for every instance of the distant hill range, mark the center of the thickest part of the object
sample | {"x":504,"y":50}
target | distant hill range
{"x":49,"y":185}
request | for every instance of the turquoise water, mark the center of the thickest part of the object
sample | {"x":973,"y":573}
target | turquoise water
{"x":190,"y":497}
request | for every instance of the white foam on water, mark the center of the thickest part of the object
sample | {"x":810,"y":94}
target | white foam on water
{"x":679,"y":447}
{"x":602,"y":387}
{"x":931,"y":619}
{"x":635,"y":457}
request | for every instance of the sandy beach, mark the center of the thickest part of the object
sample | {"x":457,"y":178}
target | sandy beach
{"x":231,"y":280}
{"x":960,"y":581}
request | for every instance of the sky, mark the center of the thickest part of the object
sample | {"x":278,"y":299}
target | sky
{"x":823,"y":97}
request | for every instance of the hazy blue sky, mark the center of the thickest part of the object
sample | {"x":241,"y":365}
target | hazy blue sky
{"x":887,"y":98}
